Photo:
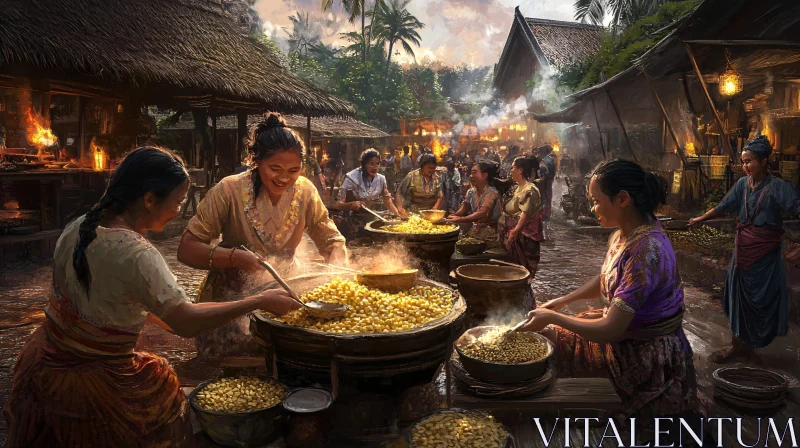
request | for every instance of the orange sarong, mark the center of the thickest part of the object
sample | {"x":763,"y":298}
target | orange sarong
{"x":77,"y":385}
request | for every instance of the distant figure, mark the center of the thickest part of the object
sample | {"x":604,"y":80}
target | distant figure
{"x":405,"y":163}
{"x":452,"y":186}
{"x":313,"y":172}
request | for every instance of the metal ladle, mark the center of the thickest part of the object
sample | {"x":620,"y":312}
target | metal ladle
{"x":319,"y":310}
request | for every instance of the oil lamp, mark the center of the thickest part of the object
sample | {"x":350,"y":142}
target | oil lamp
{"x":730,"y":82}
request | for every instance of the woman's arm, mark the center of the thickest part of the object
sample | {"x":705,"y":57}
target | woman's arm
{"x":190,"y":319}
{"x":482,"y":213}
{"x":439,"y":202}
{"x":390,"y":204}
{"x":195,"y":253}
{"x":589,"y":291}
{"x":514,"y":233}
{"x":605,"y":330}
{"x":729,"y":202}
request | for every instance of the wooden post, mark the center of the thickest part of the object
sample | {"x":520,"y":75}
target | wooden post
{"x":213,"y":176}
{"x":241,"y":134}
{"x":666,"y":118}
{"x":599,"y":131}
{"x":81,"y":129}
{"x":621,"y":124}
{"x":692,"y":108}
{"x":308,"y":133}
{"x":726,"y":143}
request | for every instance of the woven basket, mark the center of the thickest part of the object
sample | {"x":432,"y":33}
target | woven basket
{"x":750,"y":389}
{"x":485,"y":389}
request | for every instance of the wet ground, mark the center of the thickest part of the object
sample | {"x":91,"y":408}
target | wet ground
{"x":567,"y":261}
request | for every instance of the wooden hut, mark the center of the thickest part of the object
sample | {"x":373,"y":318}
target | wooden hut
{"x":75,"y":80}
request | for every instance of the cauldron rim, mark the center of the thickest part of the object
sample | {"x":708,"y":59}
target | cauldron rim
{"x":374,"y":227}
{"x":458,"y":345}
{"x":459,"y":273}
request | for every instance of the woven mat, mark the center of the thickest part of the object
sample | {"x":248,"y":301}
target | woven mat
{"x":484,"y":389}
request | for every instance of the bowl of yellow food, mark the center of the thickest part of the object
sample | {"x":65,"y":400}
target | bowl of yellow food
{"x":457,"y":428}
{"x":244,"y":411}
{"x":490,"y":354}
{"x":470,"y":246}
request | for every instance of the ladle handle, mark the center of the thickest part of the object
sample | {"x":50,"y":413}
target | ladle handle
{"x":374,"y":213}
{"x":275,"y":274}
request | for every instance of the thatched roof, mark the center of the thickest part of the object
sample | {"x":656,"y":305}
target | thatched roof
{"x":321,"y":128}
{"x":561,"y":43}
{"x":184,"y":53}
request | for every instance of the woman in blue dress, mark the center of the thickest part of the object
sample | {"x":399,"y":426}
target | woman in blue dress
{"x":756,"y":298}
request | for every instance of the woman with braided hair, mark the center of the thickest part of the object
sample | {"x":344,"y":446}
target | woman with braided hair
{"x":266,"y":209}
{"x":756,"y":299}
{"x":78,"y":381}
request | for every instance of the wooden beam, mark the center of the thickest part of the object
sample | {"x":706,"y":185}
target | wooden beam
{"x":308,"y":133}
{"x":666,"y":117}
{"x":621,"y":124}
{"x":599,"y":131}
{"x":746,"y":43}
{"x":726,"y":142}
{"x":81,"y":129}
{"x":213,"y":148}
{"x":241,"y":135}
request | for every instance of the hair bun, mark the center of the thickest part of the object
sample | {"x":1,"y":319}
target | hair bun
{"x":273,"y":120}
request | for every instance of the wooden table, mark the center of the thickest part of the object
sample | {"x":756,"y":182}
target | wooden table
{"x":565,"y":394}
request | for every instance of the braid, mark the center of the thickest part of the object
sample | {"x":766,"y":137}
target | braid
{"x":87,"y":233}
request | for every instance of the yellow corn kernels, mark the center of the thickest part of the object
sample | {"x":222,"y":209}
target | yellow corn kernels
{"x":417,"y":224}
{"x":458,"y":430}
{"x":513,"y":348}
{"x":238,"y":395}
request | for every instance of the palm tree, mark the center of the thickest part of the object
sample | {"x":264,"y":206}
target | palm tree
{"x":622,"y":11}
{"x":303,"y":35}
{"x":395,"y":25}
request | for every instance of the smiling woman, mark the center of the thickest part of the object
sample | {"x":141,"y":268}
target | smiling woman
{"x":267,"y":209}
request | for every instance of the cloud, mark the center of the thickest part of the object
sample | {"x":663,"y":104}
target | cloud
{"x":456,"y":31}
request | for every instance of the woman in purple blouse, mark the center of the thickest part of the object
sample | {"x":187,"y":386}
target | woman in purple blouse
{"x":637,"y":339}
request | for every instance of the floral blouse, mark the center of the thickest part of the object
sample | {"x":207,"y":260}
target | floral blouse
{"x":232,"y":210}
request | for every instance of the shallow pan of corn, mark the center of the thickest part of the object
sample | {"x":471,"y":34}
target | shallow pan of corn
{"x":451,"y":428}
{"x":489,"y":355}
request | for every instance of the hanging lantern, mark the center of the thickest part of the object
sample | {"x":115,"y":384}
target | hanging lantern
{"x":730,"y":82}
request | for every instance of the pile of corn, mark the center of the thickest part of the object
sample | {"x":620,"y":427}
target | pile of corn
{"x":417,"y":224}
{"x":468,"y":240}
{"x":703,"y":239}
{"x":461,"y":430}
{"x":239,"y":395}
{"x":514,"y":348}
{"x":372,"y":310}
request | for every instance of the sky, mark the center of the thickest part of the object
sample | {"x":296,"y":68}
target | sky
{"x":456,"y":31}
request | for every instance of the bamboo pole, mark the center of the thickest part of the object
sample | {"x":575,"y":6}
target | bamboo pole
{"x":666,"y":118}
{"x":726,"y":143}
{"x":621,"y":124}
{"x":241,"y":134}
{"x":308,"y":133}
{"x":214,"y":148}
{"x":599,"y":131}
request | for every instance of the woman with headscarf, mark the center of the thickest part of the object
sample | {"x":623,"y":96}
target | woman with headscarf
{"x":364,"y":186}
{"x":267,"y":209}
{"x":756,"y":299}
{"x":421,"y":189}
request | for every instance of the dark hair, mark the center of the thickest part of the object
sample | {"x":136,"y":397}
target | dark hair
{"x":406,"y":149}
{"x":144,"y":170}
{"x":491,"y":168}
{"x":647,"y":189}
{"x":269,"y":137}
{"x":368,"y":154}
{"x":529,"y":166}
{"x":427,"y":158}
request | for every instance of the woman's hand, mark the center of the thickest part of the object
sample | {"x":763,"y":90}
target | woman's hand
{"x":246,"y":261}
{"x":539,"y":319}
{"x":695,"y":221}
{"x":277,"y":302}
{"x":513,"y":234}
{"x":339,"y":256}
{"x":402,"y":212}
{"x":555,"y":304}
{"x":355,"y":206}
{"x":452,"y":219}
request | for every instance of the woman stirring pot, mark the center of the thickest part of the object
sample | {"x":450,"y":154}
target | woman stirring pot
{"x":266,"y":209}
{"x":364,"y":186}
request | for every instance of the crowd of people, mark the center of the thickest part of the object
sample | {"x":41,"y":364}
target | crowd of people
{"x":82,"y":367}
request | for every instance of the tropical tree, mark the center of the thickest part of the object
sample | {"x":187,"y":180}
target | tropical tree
{"x":303,"y":35}
{"x":623,"y":12}
{"x":395,"y":25}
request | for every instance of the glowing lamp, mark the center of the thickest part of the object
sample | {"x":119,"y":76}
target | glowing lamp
{"x":730,"y":82}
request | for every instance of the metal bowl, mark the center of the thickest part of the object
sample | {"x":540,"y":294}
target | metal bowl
{"x":392,"y":282}
{"x":501,"y":373}
{"x":506,"y":441}
{"x":249,"y":429}
{"x":432,"y":215}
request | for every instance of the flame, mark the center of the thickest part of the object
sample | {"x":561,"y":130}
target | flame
{"x":11,"y":205}
{"x":439,"y":149}
{"x":424,"y":132}
{"x":556,"y":148}
{"x":99,"y":156}
{"x":690,"y":149}
{"x":38,"y":135}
